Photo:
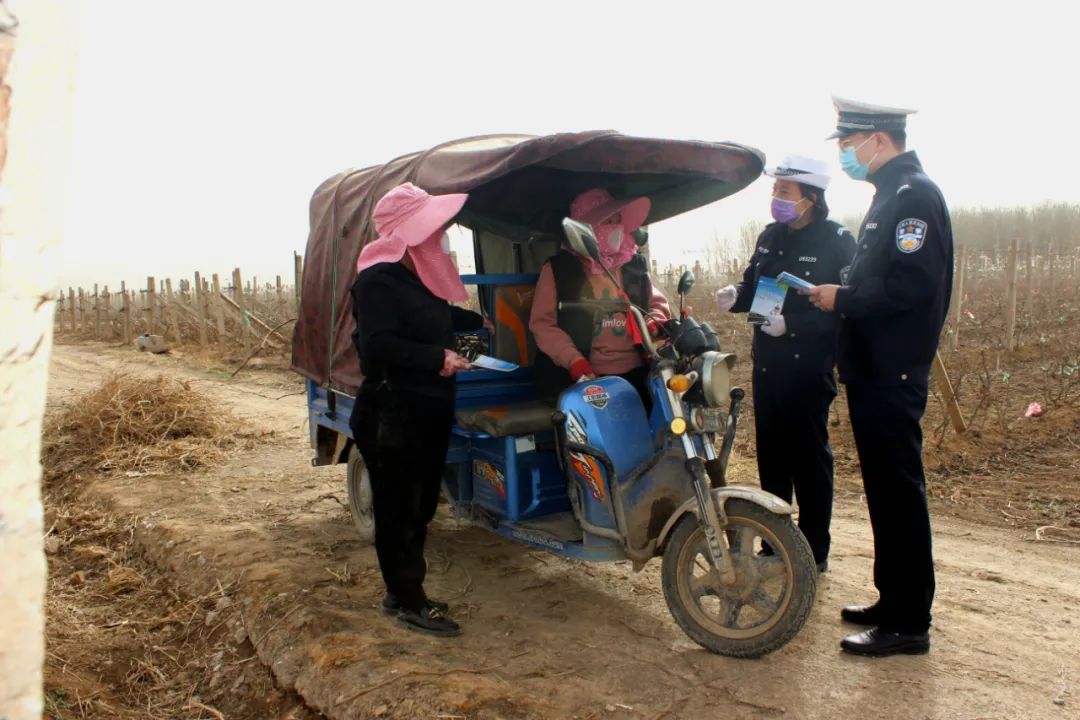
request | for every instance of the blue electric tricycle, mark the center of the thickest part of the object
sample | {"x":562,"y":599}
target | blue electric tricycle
{"x":593,"y":477}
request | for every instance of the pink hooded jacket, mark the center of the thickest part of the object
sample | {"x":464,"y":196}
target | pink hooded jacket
{"x":613,"y":352}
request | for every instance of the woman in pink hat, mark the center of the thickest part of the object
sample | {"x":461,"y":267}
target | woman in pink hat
{"x":405,"y":326}
{"x":579,"y":343}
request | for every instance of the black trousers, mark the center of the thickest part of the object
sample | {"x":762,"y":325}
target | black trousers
{"x":405,"y":462}
{"x":885,"y":421}
{"x":639,"y":378}
{"x":791,"y":419}
{"x":550,"y":390}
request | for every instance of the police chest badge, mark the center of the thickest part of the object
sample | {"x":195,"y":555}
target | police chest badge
{"x":910,"y":235}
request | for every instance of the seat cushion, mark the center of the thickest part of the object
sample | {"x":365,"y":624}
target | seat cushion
{"x":503,"y":420}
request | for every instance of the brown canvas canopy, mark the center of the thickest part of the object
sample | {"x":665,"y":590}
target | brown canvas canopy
{"x":520,"y":188}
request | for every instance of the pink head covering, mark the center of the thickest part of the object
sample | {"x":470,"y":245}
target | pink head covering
{"x":616,"y":245}
{"x":407,"y":219}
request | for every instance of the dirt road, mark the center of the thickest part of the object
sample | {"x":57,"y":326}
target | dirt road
{"x":550,"y":638}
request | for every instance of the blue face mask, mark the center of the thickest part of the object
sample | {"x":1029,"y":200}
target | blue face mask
{"x":849,"y":162}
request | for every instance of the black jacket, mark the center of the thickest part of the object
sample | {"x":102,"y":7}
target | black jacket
{"x":896,"y":294}
{"x":402,"y":330}
{"x":816,"y":253}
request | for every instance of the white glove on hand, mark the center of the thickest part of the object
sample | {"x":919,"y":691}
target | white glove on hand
{"x":726,"y":297}
{"x":775,"y":326}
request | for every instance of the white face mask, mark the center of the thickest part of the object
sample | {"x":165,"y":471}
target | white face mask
{"x":615,"y":238}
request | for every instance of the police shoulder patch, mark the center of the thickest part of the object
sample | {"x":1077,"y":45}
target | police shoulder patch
{"x":910,"y":235}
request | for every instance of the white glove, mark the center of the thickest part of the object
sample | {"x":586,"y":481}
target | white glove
{"x":775,"y":326}
{"x":726,"y":297}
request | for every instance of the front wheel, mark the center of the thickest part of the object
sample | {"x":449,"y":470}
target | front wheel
{"x":358,"y":486}
{"x":771,"y":596}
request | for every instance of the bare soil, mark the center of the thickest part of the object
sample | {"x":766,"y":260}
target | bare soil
{"x":300,"y":633}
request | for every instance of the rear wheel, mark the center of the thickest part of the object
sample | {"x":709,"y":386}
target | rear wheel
{"x":358,"y":485}
{"x":771,"y":596}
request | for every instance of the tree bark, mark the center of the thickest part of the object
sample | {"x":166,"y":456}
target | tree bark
{"x":30,"y":227}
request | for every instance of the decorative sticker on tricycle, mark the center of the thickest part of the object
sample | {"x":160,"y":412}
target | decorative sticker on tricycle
{"x":584,"y":465}
{"x":492,"y":475}
{"x":589,"y":471}
{"x":596,"y":396}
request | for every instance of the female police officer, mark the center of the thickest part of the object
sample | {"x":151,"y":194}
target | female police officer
{"x":794,"y":352}
{"x":403,"y":413}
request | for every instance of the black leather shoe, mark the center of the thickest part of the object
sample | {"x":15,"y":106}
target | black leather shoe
{"x":429,"y":620}
{"x":876,"y":642}
{"x":862,"y":614}
{"x":392,"y":606}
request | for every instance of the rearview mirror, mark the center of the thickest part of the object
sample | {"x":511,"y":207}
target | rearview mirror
{"x":685,"y":283}
{"x":581,"y":239}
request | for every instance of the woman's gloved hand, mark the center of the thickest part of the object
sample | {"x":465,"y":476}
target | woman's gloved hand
{"x":775,"y":326}
{"x":726,"y":297}
{"x":581,"y":368}
{"x":452,"y":363}
{"x":654,"y":326}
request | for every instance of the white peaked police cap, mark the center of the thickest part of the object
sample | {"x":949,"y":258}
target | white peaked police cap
{"x":801,"y":170}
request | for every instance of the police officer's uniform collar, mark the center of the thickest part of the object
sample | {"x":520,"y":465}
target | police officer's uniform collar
{"x":888,"y":174}
{"x":814,"y":222}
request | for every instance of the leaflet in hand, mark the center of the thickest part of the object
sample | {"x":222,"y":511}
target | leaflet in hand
{"x":786,"y":278}
{"x":768,"y":300}
{"x":489,"y":363}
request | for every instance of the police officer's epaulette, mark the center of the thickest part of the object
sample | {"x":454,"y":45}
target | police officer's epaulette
{"x":840,"y":229}
{"x":916,"y":182}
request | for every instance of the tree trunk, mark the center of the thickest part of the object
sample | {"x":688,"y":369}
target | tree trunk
{"x":29,"y":229}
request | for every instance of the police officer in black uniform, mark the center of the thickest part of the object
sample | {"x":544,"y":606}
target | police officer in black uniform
{"x":892,"y":302}
{"x":794,"y":352}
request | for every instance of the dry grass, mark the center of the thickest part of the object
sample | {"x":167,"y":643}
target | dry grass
{"x":138,"y":424}
{"x":125,"y":643}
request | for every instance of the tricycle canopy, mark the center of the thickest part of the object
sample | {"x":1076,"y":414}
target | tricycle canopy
{"x":520,"y":188}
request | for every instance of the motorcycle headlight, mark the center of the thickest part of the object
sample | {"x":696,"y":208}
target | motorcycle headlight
{"x":716,"y":377}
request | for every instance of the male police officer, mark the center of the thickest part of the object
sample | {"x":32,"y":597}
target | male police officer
{"x":892,"y":303}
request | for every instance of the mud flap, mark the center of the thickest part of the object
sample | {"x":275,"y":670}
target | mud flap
{"x":756,"y":495}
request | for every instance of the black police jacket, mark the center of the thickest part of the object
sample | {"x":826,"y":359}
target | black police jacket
{"x":402,"y":330}
{"x":896,"y":293}
{"x":815,"y":253}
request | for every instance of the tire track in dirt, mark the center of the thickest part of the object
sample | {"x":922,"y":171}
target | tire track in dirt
{"x":548,"y":637}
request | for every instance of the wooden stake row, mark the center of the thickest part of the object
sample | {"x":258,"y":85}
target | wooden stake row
{"x":202,"y":310}
{"x":1044,"y":278}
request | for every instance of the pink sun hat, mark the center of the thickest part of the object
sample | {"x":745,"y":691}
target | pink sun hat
{"x":405,"y":217}
{"x":596,"y":205}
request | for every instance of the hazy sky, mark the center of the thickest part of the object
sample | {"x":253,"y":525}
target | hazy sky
{"x":203,"y":128}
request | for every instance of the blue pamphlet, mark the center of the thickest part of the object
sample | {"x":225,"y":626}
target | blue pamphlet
{"x":489,"y":363}
{"x":786,"y":278}
{"x":768,"y":300}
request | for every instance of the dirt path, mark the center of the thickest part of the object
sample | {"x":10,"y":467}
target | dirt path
{"x":551,"y":638}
